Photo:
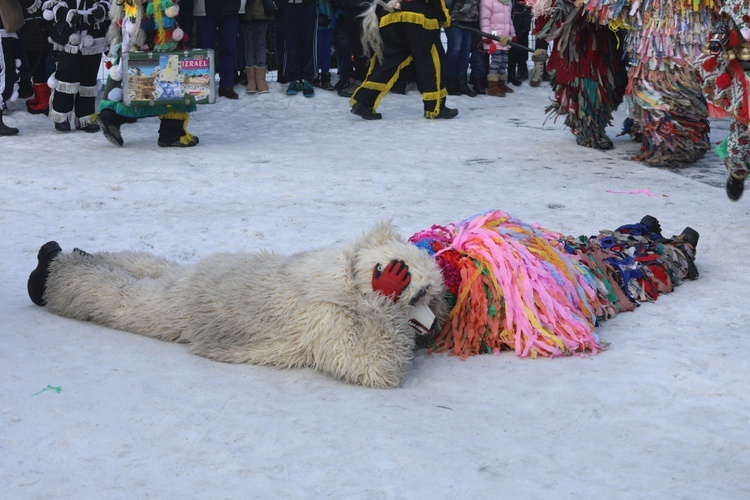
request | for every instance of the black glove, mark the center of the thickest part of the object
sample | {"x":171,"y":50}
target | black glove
{"x":99,"y":12}
{"x":74,"y":19}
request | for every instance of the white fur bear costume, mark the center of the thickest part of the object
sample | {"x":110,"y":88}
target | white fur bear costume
{"x":316,"y":309}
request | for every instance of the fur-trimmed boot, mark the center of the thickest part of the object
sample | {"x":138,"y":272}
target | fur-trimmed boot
{"x":260,"y":79}
{"x":4,"y":129}
{"x":502,"y":83}
{"x":39,"y":104}
{"x":493,"y":87}
{"x":252,"y":87}
{"x":173,"y":131}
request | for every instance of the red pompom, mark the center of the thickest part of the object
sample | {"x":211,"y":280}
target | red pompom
{"x":710,"y":64}
{"x":724,"y":80}
{"x":746,"y":19}
{"x":107,"y":64}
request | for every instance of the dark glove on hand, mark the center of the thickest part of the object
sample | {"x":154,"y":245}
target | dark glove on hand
{"x":75,"y":19}
{"x":392,"y":280}
{"x":99,"y":12}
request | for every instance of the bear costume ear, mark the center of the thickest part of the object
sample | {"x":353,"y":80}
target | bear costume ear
{"x":382,"y":233}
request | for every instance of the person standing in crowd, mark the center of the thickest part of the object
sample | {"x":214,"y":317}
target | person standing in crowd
{"x":136,"y":28}
{"x":401,"y":37}
{"x":518,"y":71}
{"x":300,"y":24}
{"x":459,"y":47}
{"x":41,"y":63}
{"x":495,"y":17}
{"x":11,"y":20}
{"x":326,"y":27}
{"x":77,"y":29}
{"x":254,"y":25}
{"x":220,"y":19}
{"x":355,"y":9}
{"x":344,"y":63}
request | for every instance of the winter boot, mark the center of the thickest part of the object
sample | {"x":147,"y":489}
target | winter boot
{"x":252,"y":88}
{"x":260,"y":79}
{"x":110,"y":123}
{"x":365,"y":112}
{"x":735,"y":186}
{"x":479,"y":85}
{"x":39,"y":104}
{"x":325,"y":81}
{"x":4,"y":129}
{"x":493,"y":87}
{"x":173,"y":131}
{"x":444,"y":113}
{"x":513,"y":78}
{"x":451,"y":85}
{"x":503,"y":85}
{"x":37,"y":283}
{"x":463,"y":87}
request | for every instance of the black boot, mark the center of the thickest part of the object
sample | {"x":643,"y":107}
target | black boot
{"x":463,"y":87}
{"x":451,"y":85}
{"x":480,"y":85}
{"x":445,"y":112}
{"x":325,"y":81}
{"x":110,"y":123}
{"x":735,"y":187}
{"x":172,"y":134}
{"x":513,"y":78}
{"x":4,"y":129}
{"x":365,"y":112}
{"x":37,"y":283}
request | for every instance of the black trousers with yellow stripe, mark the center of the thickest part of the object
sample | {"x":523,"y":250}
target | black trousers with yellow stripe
{"x":404,"y":43}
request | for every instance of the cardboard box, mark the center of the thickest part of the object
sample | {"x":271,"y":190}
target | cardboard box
{"x":178,"y":77}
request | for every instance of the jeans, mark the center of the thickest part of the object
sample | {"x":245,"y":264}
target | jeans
{"x":225,"y":28}
{"x":458,"y":52}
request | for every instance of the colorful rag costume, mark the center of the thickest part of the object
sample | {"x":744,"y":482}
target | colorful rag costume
{"x":725,"y":72}
{"x":664,"y":96}
{"x":517,"y":286}
{"x":151,"y":26}
{"x":590,"y":74}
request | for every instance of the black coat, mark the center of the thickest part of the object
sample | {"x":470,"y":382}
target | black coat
{"x":222,"y":7}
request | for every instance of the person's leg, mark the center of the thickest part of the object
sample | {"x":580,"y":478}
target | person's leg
{"x":463,"y":65}
{"x":228,"y":27}
{"x":85,"y":105}
{"x":260,"y":33}
{"x":7,"y":78}
{"x":68,"y":74}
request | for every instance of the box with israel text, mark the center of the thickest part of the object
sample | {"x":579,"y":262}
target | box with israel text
{"x":181,"y":77}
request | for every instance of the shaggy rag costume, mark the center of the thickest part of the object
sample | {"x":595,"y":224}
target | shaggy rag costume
{"x":410,"y":33}
{"x":77,"y":30}
{"x":725,"y":72}
{"x":151,"y":26}
{"x":350,"y":312}
{"x":590,"y":75}
{"x":521,"y":287}
{"x":664,"y":94}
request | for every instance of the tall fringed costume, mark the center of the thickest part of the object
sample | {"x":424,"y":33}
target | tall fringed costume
{"x":725,"y":72}
{"x":143,"y":25}
{"x":590,"y":74}
{"x":516,"y":286}
{"x":666,"y":106}
{"x":77,"y":30}
{"x":402,"y":33}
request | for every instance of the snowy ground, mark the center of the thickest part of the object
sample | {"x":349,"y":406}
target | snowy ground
{"x":664,"y":413}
